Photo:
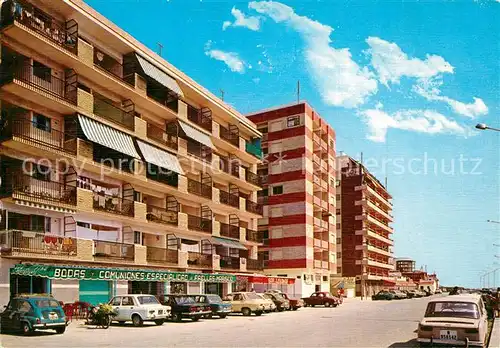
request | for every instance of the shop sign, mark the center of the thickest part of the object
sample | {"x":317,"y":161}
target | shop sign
{"x":268,"y":280}
{"x":65,"y":272}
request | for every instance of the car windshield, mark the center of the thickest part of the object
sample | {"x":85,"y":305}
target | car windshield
{"x":147,"y":300}
{"x":253,"y":296}
{"x":184,"y":300}
{"x":214,"y":299}
{"x":46,"y":303}
{"x":452,"y":309}
{"x":268,"y":296}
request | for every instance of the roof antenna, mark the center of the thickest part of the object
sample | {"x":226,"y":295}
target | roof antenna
{"x":222,"y":94}
{"x":298,"y":91}
{"x":160,"y":49}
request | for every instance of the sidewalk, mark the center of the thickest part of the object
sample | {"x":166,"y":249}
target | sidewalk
{"x":495,"y":334}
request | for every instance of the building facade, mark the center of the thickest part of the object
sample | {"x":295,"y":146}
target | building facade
{"x":405,"y":265}
{"x":299,"y":196}
{"x":118,"y":172}
{"x":364,"y":216}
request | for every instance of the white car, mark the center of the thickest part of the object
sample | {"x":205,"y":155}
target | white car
{"x":270,"y":307}
{"x":138,"y":309}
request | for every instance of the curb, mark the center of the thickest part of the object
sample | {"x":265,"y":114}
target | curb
{"x":495,"y":334}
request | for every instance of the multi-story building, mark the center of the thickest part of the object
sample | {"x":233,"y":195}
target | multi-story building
{"x":364,"y":213}
{"x":119,"y":173}
{"x":405,"y":265}
{"x":298,"y":196}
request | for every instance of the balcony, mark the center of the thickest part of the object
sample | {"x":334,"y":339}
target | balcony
{"x":110,"y":65}
{"x":252,"y":178}
{"x":29,"y":132}
{"x":378,"y":263}
{"x":229,"y":199}
{"x":379,"y":223}
{"x":40,"y":245}
{"x":166,"y":138}
{"x":113,"y":204}
{"x":232,"y":138}
{"x":201,"y":117}
{"x":162,"y":255}
{"x":29,"y":188}
{"x":254,"y":208}
{"x":199,"y":260}
{"x":196,"y":223}
{"x":254,"y":149}
{"x":380,"y":211}
{"x":114,"y":251}
{"x":229,"y":262}
{"x":199,"y":189}
{"x":379,"y":237}
{"x":264,"y":179}
{"x":235,"y":170}
{"x":123,"y":116}
{"x":199,"y":151}
{"x":255,"y":265}
{"x":162,"y":216}
{"x":229,"y":231}
{"x":254,"y":236}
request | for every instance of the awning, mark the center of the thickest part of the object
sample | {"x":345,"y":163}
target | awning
{"x":159,"y":76}
{"x":261,"y":279}
{"x":228,"y":243}
{"x":195,"y":134}
{"x":110,"y":274}
{"x":160,"y":158}
{"x":108,"y":136}
{"x":44,"y":206}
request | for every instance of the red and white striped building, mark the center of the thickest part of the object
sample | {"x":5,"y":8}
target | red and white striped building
{"x":299,"y":196}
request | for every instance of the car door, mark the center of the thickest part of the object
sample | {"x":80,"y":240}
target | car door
{"x":483,"y":320}
{"x":7,"y":316}
{"x":116,"y":303}
{"x":24,"y":311}
{"x":127,"y":307}
{"x":238,"y":301}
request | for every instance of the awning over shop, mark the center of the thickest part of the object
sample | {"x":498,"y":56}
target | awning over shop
{"x":159,"y":76}
{"x":110,"y":274}
{"x":228,"y":243}
{"x":195,"y":134}
{"x":108,"y":136}
{"x":267,"y":280}
{"x":160,"y":158}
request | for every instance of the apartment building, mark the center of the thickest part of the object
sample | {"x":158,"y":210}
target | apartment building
{"x":405,"y":265}
{"x":364,"y":246}
{"x":118,"y":172}
{"x":298,"y":196}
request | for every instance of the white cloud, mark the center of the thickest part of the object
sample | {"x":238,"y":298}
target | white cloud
{"x":231,"y":59}
{"x":391,"y":63}
{"x":341,"y":80}
{"x":421,"y":121}
{"x":250,"y":22}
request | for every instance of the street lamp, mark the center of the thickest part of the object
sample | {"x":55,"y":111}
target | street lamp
{"x":483,"y":126}
{"x":493,"y":221}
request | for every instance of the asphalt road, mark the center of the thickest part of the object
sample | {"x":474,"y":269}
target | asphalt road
{"x":354,"y":324}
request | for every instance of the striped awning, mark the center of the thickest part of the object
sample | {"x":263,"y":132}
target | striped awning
{"x":228,"y":243}
{"x":159,"y":76}
{"x":196,"y":135}
{"x":160,"y":158}
{"x":108,"y":136}
{"x":45,"y":206}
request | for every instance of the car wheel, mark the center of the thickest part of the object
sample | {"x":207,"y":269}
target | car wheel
{"x":159,"y":322}
{"x":137,"y":320}
{"x":177,"y":317}
{"x":247,"y":312}
{"x":195,"y":318}
{"x":209,"y":316}
{"x":26,"y":328}
{"x":295,"y":308}
{"x":258,"y":313}
{"x":60,"y":330}
{"x":327,"y":304}
{"x":222,"y":316}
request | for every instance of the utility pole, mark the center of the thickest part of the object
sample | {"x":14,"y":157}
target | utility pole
{"x":160,"y":49}
{"x":298,"y":91}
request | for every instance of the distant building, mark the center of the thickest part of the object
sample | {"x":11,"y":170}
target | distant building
{"x":405,"y":265}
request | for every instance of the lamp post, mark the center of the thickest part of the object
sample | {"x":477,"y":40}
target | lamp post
{"x":483,"y":126}
{"x":493,"y":221}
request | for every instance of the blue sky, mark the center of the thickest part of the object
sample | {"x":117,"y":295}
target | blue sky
{"x":404,"y":83}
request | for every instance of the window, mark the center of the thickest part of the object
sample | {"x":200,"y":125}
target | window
{"x":263,"y":130}
{"x":42,"y":71}
{"x":265,"y":234}
{"x":338,"y":212}
{"x":83,"y":87}
{"x":265,"y":150}
{"x":339,"y":240}
{"x":237,"y":297}
{"x":24,"y":307}
{"x":127,"y":301}
{"x":40,"y":172}
{"x":338,"y":226}
{"x":337,"y":183}
{"x":116,"y":301}
{"x":325,"y":278}
{"x":40,"y":223}
{"x":337,"y":197}
{"x":42,"y":122}
{"x":339,"y":255}
{"x":293,"y":121}
{"x":137,"y":237}
{"x":278,"y":190}
{"x":332,"y":144}
{"x":263,"y":193}
{"x":83,"y":224}
{"x":339,"y":270}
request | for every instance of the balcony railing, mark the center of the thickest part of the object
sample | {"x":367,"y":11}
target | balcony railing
{"x":235,"y":170}
{"x":253,"y":178}
{"x":198,"y":117}
{"x":64,"y":35}
{"x":113,"y":250}
{"x":199,"y":260}
{"x":45,"y":82}
{"x":38,"y":190}
{"x":29,"y":131}
{"x":254,"y":207}
{"x":200,"y":224}
{"x":264,"y":179}
{"x":19,"y":243}
{"x":161,"y":215}
{"x":199,"y":189}
{"x":263,"y":200}
{"x":113,"y":113}
{"x":113,"y":205}
{"x":200,"y":151}
{"x":229,"y":231}
{"x":254,"y":236}
{"x":230,"y":262}
{"x":109,"y":64}
{"x":158,"y":134}
{"x":232,"y":138}
{"x":257,"y":265}
{"x":162,"y":255}
{"x":229,"y":199}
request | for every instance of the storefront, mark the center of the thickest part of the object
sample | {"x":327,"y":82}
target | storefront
{"x":259,"y":283}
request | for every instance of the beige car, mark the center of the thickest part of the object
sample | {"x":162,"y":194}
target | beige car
{"x":269,"y":306}
{"x":246,"y":303}
{"x":456,"y":320}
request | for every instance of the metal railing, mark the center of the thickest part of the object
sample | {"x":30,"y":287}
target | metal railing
{"x":199,"y":189}
{"x":254,"y":207}
{"x":159,"y":134}
{"x":113,"y":204}
{"x":195,"y":115}
{"x":230,"y":262}
{"x":38,"y":190}
{"x":114,"y":250}
{"x":231,"y":138}
{"x":254,"y":236}
{"x":17,"y":242}
{"x":162,"y":255}
{"x":200,"y":224}
{"x":200,"y":151}
{"x":229,"y":231}
{"x":255,"y":264}
{"x":253,"y":178}
{"x":199,"y":260}
{"x":113,"y":113}
{"x":264,"y":179}
{"x":161,"y":215}
{"x":229,"y":199}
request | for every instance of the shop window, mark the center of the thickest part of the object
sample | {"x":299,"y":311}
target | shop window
{"x":293,"y":121}
{"x":278,"y":190}
{"x":42,"y":71}
{"x":178,"y":288}
{"x":42,"y":122}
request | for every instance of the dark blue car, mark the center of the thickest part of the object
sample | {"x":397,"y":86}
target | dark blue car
{"x":218,"y":307}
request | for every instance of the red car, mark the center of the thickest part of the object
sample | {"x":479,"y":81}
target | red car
{"x":321,"y":298}
{"x":295,"y":303}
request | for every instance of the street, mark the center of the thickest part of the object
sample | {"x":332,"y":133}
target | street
{"x":354,"y":324}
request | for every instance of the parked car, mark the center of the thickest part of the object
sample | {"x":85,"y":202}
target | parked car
{"x":295,"y":303}
{"x":246,"y":303}
{"x":438,"y":291}
{"x":409,"y":293}
{"x":27,"y":313}
{"x":398,"y":295}
{"x":383,"y":295}
{"x":217,"y":306}
{"x":282,"y":304}
{"x":138,"y":309}
{"x":269,"y":304}
{"x":321,"y":298}
{"x":454,"y":320}
{"x":420,"y":293}
{"x":184,"y":306}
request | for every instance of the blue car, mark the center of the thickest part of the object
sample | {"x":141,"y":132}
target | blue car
{"x":27,"y":313}
{"x":217,"y":306}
